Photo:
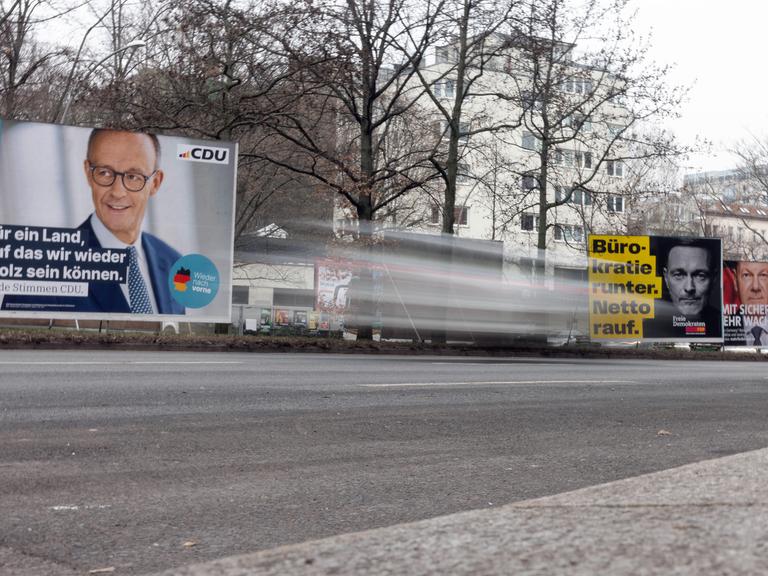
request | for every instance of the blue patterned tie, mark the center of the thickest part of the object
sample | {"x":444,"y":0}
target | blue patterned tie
{"x":757,"y":332}
{"x":137,"y":290}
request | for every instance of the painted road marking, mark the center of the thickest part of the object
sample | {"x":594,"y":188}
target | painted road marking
{"x":75,"y":508}
{"x":417,"y":384}
{"x":98,"y":363}
{"x":480,"y":363}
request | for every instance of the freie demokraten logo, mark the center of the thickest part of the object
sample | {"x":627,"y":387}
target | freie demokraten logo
{"x":209,"y":154}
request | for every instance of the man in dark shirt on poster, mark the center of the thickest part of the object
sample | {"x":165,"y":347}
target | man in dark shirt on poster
{"x":690,"y":278}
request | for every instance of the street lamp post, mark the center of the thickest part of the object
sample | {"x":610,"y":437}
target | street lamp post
{"x":67,"y":92}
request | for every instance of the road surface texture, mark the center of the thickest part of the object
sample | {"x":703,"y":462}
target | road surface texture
{"x":139,"y":462}
{"x":702,"y":519}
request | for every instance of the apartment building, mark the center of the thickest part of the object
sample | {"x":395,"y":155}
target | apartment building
{"x":734,"y":207}
{"x":511,"y":160}
{"x":726,"y":204}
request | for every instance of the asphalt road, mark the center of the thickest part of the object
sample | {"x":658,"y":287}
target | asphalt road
{"x":145,"y":461}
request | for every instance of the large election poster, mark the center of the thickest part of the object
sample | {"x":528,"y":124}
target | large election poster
{"x":111,"y":224}
{"x":745,"y":303}
{"x":655,"y":288}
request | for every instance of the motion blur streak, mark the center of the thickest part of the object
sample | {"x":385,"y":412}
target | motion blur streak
{"x":415,"y":285}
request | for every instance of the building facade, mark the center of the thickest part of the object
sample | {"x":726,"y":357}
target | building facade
{"x":527,"y":151}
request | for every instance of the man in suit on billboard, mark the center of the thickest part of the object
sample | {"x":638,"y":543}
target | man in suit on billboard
{"x":122,"y":170}
{"x":752,"y":287}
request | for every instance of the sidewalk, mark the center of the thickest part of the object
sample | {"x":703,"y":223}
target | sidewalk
{"x":700,"y":519}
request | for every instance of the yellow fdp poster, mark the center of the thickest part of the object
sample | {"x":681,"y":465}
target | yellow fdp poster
{"x":655,"y":288}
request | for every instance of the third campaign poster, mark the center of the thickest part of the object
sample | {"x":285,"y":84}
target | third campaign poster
{"x":745,"y":303}
{"x":655,"y":288}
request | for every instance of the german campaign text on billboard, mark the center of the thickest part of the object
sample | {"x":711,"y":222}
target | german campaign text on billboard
{"x":111,"y":224}
{"x":745,"y":303}
{"x":655,"y":288}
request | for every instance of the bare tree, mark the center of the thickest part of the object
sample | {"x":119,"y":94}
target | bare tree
{"x":203,"y":72}
{"x":733,"y":204}
{"x":349,"y":110}
{"x":470,"y":41}
{"x":115,"y":43}
{"x":588,"y":95}
{"x":353,"y":62}
{"x":28,"y":66}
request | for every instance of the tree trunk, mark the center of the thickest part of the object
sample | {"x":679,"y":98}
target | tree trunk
{"x":540,"y":266}
{"x":363,"y":306}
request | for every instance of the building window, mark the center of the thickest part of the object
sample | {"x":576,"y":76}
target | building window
{"x":577,"y":86}
{"x":578,"y":196}
{"x":447,"y":55}
{"x":614,"y":168}
{"x":584,"y":159}
{"x":581,"y":197}
{"x":530,"y":142}
{"x":615,"y":204}
{"x":240,"y":294}
{"x":445,"y":131}
{"x":529,"y":222}
{"x":531,"y":102}
{"x":463,"y":174}
{"x":569,"y":233}
{"x":572,"y":158}
{"x":528,"y":182}
{"x":464,"y":132}
{"x":564,"y":157}
{"x":578,"y":122}
{"x":460,"y":215}
{"x":444,"y":88}
{"x":615,"y":129}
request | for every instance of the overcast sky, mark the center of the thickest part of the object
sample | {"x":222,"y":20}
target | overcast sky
{"x":719,"y":49}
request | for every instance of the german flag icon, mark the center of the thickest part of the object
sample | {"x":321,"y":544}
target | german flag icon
{"x":180,"y":279}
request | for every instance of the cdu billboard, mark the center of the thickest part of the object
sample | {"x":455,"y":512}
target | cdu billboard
{"x":113,"y":224}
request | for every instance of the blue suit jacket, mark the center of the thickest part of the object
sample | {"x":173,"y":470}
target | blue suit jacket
{"x":108,"y":296}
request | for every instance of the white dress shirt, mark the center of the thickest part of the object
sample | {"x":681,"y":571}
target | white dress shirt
{"x":108,"y":240}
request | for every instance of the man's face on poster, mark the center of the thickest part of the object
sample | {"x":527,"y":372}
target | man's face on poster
{"x":689,"y":278}
{"x":121,"y":169}
{"x":752,"y":282}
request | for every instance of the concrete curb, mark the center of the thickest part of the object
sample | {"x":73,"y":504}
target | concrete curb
{"x":705,"y":518}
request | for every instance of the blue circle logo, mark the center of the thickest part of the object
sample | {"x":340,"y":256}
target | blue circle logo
{"x":194,"y":281}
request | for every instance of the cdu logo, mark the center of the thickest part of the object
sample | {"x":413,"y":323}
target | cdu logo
{"x":203,"y":154}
